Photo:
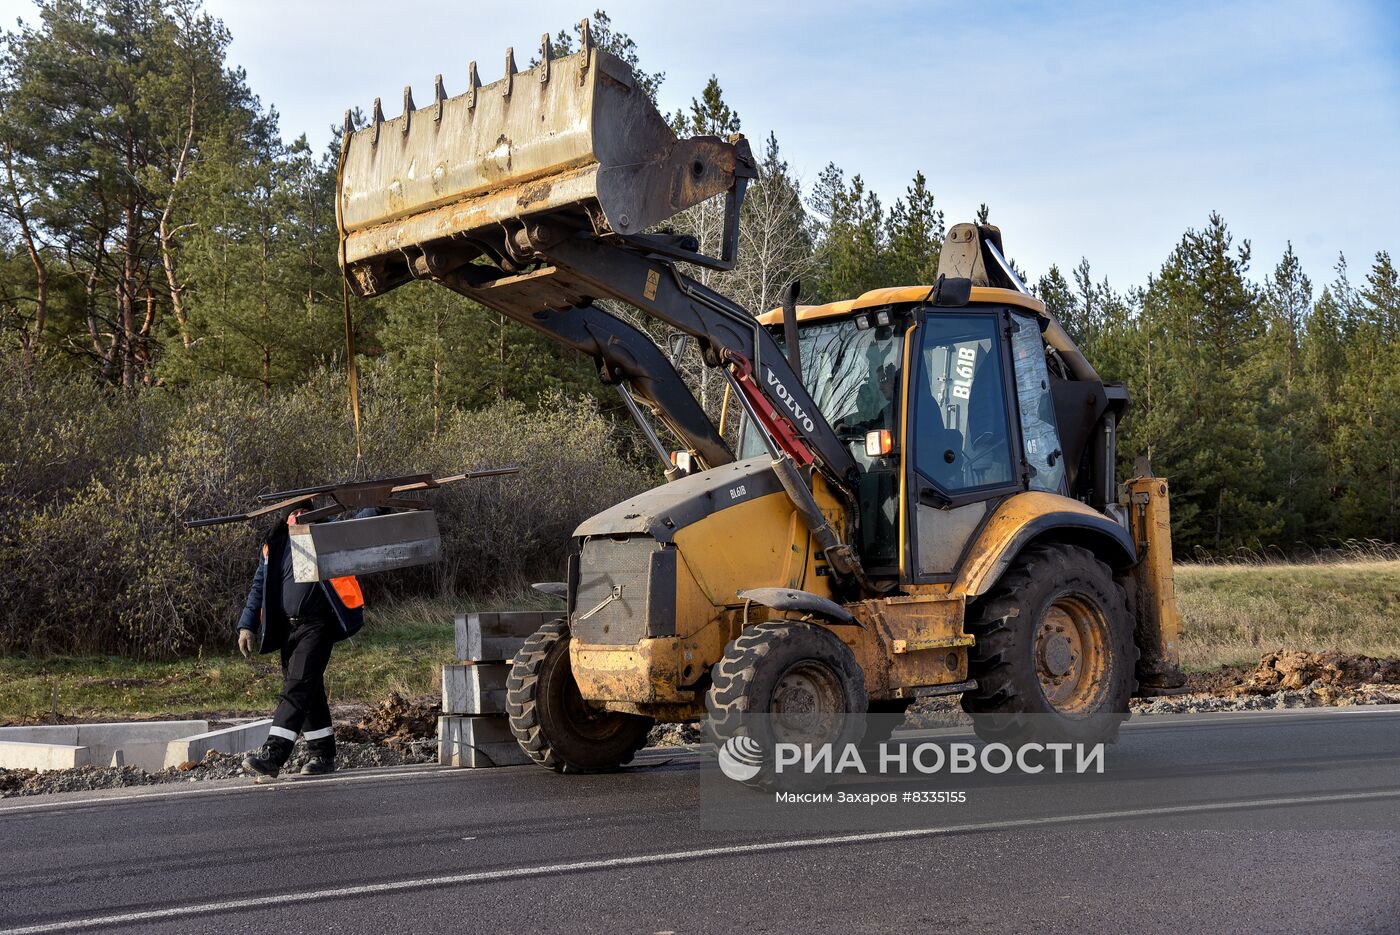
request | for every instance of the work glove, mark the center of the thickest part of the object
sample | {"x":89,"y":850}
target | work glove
{"x":246,"y":646}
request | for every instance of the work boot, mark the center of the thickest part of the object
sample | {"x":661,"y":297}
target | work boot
{"x":268,"y":760}
{"x":318,"y":765}
{"x":322,"y":761}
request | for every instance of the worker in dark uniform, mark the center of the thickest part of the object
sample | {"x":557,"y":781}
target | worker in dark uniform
{"x":304,"y":621}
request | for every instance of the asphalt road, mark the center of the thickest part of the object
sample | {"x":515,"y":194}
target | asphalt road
{"x":1222,"y":823}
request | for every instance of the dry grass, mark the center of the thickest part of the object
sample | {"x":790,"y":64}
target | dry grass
{"x":1234,"y":613}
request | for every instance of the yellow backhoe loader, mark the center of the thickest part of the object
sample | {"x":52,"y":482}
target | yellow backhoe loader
{"x":923,"y":497}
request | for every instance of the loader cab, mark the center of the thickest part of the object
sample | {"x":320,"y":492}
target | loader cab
{"x":947,"y":411}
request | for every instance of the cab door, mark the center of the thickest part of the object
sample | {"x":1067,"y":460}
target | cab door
{"x":978,"y":400}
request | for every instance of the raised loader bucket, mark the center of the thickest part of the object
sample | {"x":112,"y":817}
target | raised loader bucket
{"x":574,"y":138}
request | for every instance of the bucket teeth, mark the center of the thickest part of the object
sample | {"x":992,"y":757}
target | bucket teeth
{"x":473,"y":82}
{"x":349,"y":126}
{"x":574,"y":144}
{"x":585,"y":46}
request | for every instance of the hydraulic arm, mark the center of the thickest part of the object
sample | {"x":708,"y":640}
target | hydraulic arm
{"x":537,"y":195}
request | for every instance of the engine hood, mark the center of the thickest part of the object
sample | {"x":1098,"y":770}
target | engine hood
{"x":661,"y":511}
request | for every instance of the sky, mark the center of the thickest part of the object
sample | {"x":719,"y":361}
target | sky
{"x":1091,"y":129}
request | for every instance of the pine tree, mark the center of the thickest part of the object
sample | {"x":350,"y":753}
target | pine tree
{"x":106,"y":174}
{"x":1203,"y":318}
{"x":1054,"y":291}
{"x":853,"y":239}
{"x":915,"y":237}
{"x":1292,"y":420}
{"x":605,"y":37}
{"x":1368,"y":435}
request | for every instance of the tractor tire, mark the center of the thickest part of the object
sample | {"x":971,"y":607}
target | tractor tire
{"x":1054,"y":657}
{"x":786,"y":681}
{"x":550,"y":719}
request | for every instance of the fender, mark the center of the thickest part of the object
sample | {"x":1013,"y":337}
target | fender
{"x":1026,"y":518}
{"x":805,"y":601}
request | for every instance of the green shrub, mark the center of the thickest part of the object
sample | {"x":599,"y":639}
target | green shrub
{"x":94,"y":487}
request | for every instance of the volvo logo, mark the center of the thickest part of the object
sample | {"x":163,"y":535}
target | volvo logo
{"x":797,"y":411}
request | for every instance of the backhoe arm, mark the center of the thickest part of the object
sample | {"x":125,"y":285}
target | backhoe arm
{"x":729,"y":336}
{"x":624,"y":355}
{"x":540,"y":193}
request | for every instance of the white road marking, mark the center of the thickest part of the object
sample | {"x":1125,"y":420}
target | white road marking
{"x":612,"y":863}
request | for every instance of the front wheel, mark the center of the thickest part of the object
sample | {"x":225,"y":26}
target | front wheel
{"x":553,"y":723}
{"x":1054,"y":657}
{"x":784,"y":681}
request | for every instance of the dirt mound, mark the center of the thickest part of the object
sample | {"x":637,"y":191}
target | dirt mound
{"x":396,"y":722}
{"x":1218,"y":681}
{"x":1291,"y":670}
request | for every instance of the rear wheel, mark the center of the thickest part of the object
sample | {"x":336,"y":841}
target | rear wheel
{"x":552,"y":721}
{"x":1054,"y":657}
{"x":785,"y":681}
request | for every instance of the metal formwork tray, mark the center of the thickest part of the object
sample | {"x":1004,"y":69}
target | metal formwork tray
{"x":363,"y":546}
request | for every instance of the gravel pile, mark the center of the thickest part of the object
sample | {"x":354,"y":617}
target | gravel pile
{"x":676,"y":735}
{"x":1316,"y":695}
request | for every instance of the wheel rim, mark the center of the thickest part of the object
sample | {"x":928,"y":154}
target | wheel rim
{"x":808,"y":703}
{"x":1071,"y":641}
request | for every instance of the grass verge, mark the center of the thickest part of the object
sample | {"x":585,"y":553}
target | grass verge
{"x":401,"y":648}
{"x":1233,"y":614}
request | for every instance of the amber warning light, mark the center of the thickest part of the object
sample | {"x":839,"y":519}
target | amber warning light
{"x":878,"y":443}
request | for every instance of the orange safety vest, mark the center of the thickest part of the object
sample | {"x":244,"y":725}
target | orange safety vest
{"x":348,"y":590}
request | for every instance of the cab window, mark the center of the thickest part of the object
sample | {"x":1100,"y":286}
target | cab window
{"x":961,"y":430}
{"x":1039,"y":433}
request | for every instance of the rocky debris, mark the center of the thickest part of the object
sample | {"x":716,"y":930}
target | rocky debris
{"x":18,"y":782}
{"x":396,"y":722}
{"x":676,"y":735}
{"x":1283,"y":679}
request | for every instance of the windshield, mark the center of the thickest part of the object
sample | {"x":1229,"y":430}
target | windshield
{"x":852,"y":375}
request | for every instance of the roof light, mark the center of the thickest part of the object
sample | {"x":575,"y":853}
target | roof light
{"x":882,"y":317}
{"x":862,"y":322}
